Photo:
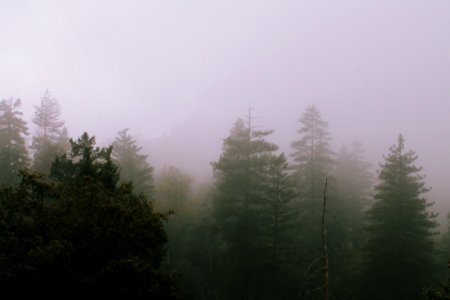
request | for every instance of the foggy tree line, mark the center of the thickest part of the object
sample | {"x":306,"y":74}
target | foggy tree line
{"x":96,"y":220}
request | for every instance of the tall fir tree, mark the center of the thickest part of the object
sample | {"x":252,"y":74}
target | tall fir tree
{"x":134,"y":166}
{"x":51,"y":138}
{"x":279,"y":229}
{"x":13,"y":150}
{"x":312,"y":156}
{"x":238,"y":209}
{"x":312,"y":164}
{"x":399,"y":252}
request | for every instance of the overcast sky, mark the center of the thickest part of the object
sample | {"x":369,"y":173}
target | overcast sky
{"x":374,"y":68}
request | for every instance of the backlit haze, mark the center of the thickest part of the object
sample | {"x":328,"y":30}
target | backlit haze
{"x":179,"y":73}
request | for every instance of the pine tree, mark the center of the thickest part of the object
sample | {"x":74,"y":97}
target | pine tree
{"x":280,"y":224}
{"x":312,"y":156}
{"x":133,"y":165}
{"x":239,"y":204}
{"x":312,"y":166}
{"x":399,"y":251}
{"x":86,"y":162}
{"x":51,"y":136}
{"x":13,"y":151}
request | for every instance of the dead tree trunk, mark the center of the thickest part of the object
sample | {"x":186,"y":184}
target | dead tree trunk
{"x":325,"y":288}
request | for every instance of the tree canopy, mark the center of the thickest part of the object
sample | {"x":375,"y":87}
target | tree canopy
{"x":51,"y":137}
{"x":80,"y":235}
{"x":399,"y":252}
{"x":13,"y":150}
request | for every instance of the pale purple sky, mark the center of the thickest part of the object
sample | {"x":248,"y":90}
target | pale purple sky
{"x":374,"y":68}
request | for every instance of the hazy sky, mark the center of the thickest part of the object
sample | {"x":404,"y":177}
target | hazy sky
{"x":373,"y":68}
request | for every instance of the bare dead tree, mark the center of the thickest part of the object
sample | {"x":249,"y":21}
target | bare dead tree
{"x":325,"y":288}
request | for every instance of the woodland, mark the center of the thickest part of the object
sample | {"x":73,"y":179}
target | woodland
{"x":81,"y":220}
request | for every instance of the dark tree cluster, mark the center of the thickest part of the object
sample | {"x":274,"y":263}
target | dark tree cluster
{"x":81,"y":234}
{"x":76,"y":220}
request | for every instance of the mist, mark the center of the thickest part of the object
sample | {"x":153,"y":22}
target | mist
{"x":179,"y":74}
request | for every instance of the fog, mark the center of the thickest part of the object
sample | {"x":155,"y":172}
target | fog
{"x":187,"y":70}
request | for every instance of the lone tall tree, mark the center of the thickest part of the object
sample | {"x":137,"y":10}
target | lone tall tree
{"x":399,"y":255}
{"x":13,"y":151}
{"x":51,"y":136}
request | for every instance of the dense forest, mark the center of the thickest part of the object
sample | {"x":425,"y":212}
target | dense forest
{"x":79,"y":220}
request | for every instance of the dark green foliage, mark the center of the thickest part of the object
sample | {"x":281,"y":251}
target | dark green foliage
{"x":399,"y":253}
{"x":13,"y":151}
{"x":80,"y":235}
{"x":444,"y":245}
{"x":133,"y":165}
{"x":279,"y":228}
{"x":51,"y":138}
{"x":443,"y":293}
{"x":85,"y":161}
{"x":240,"y":210}
{"x":202,"y":265}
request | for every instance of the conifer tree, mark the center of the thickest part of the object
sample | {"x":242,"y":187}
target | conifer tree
{"x":312,"y":155}
{"x":312,"y":166}
{"x":279,"y":229}
{"x":51,"y":136}
{"x":239,"y":204}
{"x":86,"y":162}
{"x":399,"y":252}
{"x":133,"y":165}
{"x":13,"y":151}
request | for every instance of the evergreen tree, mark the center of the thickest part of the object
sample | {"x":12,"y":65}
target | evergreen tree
{"x":399,"y":252}
{"x":84,"y":162}
{"x":13,"y":151}
{"x":312,"y":165}
{"x":239,"y":205}
{"x":133,"y":165}
{"x":279,"y":230}
{"x":312,"y":156}
{"x":51,"y":136}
